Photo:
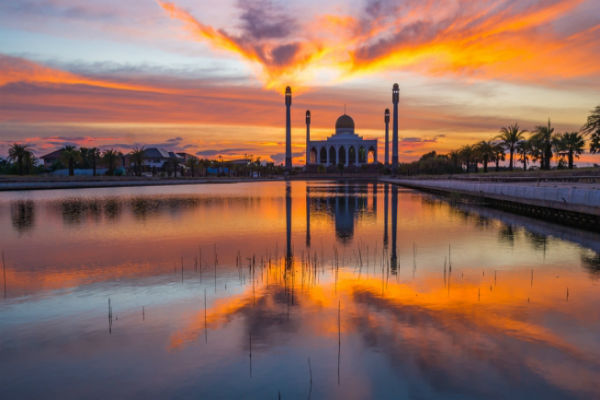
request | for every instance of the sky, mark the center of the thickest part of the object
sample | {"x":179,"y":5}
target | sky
{"x":207,"y":77}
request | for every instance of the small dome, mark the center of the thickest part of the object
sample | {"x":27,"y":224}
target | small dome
{"x":344,"y":122}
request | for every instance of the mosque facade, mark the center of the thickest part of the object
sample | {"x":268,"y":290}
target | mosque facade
{"x":343,"y":147}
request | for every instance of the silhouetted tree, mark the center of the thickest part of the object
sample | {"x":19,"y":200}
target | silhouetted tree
{"x":21,"y":155}
{"x":485,"y":152}
{"x":468,"y":157}
{"x":110,"y":158}
{"x":511,"y":135}
{"x":499,"y":154}
{"x":137,"y":155}
{"x":592,"y":128}
{"x":454,"y":157}
{"x":90,"y":157}
{"x":70,"y":156}
{"x":543,"y":139}
{"x":571,"y":144}
{"x":193,"y":163}
{"x":523,"y":149}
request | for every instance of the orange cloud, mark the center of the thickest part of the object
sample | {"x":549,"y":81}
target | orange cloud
{"x":13,"y":70}
{"x":275,"y":63}
{"x":489,"y":40}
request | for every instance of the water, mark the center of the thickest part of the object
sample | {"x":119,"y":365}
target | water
{"x":202,"y":291}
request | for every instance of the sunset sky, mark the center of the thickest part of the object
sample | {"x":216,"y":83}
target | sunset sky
{"x":207,"y":77}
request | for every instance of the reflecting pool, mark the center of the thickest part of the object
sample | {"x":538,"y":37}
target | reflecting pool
{"x":291,"y":290}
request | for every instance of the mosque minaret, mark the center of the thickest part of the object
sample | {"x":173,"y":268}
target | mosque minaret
{"x":288,"y":130}
{"x":307,"y":137}
{"x":395,"y":99}
{"x":386,"y":119}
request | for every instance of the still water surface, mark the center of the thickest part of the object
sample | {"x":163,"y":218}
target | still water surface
{"x":302,"y":290}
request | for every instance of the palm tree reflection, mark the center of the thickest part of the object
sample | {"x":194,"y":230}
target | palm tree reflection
{"x":22,"y":214}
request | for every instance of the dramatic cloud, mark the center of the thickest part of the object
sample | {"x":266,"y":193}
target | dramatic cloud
{"x":506,"y":39}
{"x":264,"y":41}
{"x":262,"y":20}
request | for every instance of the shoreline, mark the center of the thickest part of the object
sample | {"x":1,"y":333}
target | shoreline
{"x":7,"y":185}
{"x":569,"y":203}
{"x":80,"y":182}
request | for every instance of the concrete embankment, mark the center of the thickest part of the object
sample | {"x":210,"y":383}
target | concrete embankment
{"x":573,"y":203}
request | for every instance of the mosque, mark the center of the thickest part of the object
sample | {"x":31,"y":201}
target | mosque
{"x":343,"y":147}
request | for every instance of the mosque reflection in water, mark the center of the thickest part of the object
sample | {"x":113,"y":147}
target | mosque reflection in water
{"x":344,"y":204}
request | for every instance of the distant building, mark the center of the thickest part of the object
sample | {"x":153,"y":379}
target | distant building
{"x":343,"y":147}
{"x":51,"y":159}
{"x":185,"y":156}
{"x":155,"y":157}
{"x":241,"y":161}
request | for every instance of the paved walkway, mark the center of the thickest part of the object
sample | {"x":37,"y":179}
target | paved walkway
{"x":575,"y":197}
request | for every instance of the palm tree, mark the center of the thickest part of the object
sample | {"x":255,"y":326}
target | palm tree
{"x":486,"y":153}
{"x":29,"y":162}
{"x":70,"y":156}
{"x":90,"y":156}
{"x":19,"y":153}
{"x":138,"y":155}
{"x":94,"y":155}
{"x":499,"y":154}
{"x":511,"y":135}
{"x":558,"y":150}
{"x":572,"y":144}
{"x":543,"y":138}
{"x":454,"y":156}
{"x":592,"y":127}
{"x":110,"y":158}
{"x":523,"y":149}
{"x":467,"y":155}
{"x":193,"y":163}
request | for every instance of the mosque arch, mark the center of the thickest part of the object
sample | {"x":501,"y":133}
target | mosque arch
{"x":371,"y":155}
{"x":342,"y":155}
{"x":332,"y":156}
{"x":352,"y":155}
{"x":312,"y":156}
{"x":362,"y":155}
{"x":323,"y":156}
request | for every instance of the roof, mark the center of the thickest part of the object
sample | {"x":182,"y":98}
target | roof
{"x":155,"y":152}
{"x":344,"y":122}
{"x":186,"y":155}
{"x":54,"y":154}
{"x":241,"y":161}
{"x":174,"y":155}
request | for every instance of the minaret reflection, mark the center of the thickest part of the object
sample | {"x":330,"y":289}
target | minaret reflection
{"x":375,"y":198}
{"x":385,"y":214}
{"x":288,"y":224}
{"x":307,"y":216}
{"x":394,"y":257}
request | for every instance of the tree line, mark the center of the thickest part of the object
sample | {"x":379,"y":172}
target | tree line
{"x":22,"y":161}
{"x":542,"y":144}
